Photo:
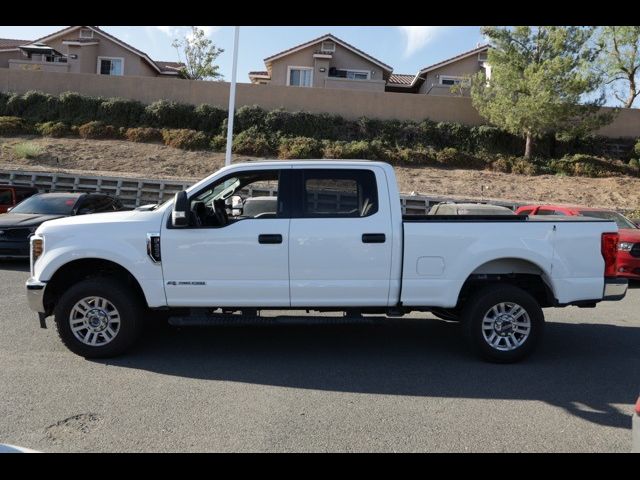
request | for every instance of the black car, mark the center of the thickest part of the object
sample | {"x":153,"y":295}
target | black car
{"x":17,"y":226}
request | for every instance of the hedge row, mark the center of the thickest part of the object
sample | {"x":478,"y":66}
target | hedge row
{"x":74,"y":109}
{"x":256,"y":143}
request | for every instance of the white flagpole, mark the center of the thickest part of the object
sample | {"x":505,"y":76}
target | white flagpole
{"x":232,"y":97}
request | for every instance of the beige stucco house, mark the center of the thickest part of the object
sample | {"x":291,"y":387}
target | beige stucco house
{"x":324,"y":62}
{"x":82,"y":49}
{"x":437,"y":79}
{"x":329,"y":62}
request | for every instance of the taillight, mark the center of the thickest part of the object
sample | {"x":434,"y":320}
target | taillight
{"x":610,"y":253}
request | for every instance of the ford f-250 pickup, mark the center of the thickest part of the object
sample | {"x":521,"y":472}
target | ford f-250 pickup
{"x":336,"y":240}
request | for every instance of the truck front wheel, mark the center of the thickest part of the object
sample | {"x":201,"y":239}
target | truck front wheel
{"x":503,"y":323}
{"x":98,"y":318}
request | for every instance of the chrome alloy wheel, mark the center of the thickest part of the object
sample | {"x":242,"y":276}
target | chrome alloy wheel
{"x":506,"y":326}
{"x":94,"y":321}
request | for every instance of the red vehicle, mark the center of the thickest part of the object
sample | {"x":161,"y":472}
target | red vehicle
{"x":11,"y":195}
{"x":629,"y":246}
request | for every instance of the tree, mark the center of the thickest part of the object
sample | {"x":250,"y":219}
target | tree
{"x":539,"y":82}
{"x":619,"y":61}
{"x":200,"y":55}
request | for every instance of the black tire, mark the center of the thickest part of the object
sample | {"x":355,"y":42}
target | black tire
{"x":121,"y":297}
{"x":481,"y":303}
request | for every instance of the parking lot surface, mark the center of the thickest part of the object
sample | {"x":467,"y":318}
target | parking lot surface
{"x":402,"y":385}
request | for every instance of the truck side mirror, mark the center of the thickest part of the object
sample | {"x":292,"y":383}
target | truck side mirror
{"x":180,"y":213}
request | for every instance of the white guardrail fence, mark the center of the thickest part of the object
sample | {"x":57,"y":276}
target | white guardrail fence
{"x":134,"y":192}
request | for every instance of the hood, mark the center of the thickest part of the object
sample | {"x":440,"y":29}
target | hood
{"x":25,"y":219}
{"x":108,"y":220}
{"x":629,"y":235}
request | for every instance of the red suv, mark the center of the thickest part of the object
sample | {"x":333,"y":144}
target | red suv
{"x":629,"y":246}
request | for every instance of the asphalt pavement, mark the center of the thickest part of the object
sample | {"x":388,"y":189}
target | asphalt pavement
{"x":405,"y":384}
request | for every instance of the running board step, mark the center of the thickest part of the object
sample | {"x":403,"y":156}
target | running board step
{"x":240,"y":320}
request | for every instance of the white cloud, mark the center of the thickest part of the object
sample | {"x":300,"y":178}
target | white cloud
{"x":173,"y":31}
{"x":418,"y":37}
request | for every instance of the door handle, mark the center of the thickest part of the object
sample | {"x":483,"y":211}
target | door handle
{"x":270,"y":238}
{"x":373,"y":238}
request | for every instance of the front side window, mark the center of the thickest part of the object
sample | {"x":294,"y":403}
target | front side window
{"x":242,"y":196}
{"x":110,"y":66}
{"x":621,"y":220}
{"x":300,"y":77}
{"x":341,"y":193}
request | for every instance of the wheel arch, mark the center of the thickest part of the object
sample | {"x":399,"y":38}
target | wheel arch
{"x":77,"y":270}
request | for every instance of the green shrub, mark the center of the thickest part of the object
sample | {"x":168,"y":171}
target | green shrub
{"x":209,"y":118}
{"x":76,"y":109}
{"x":98,"y":130}
{"x":249,"y":116}
{"x":13,"y":126}
{"x":361,"y":149}
{"x":185,"y":139}
{"x":254,"y":142}
{"x":636,"y":148}
{"x":27,"y":150}
{"x":299,"y":147}
{"x":452,"y":157}
{"x":33,"y":106}
{"x":634,"y":163}
{"x":419,"y":156}
{"x":120,"y":112}
{"x":53,"y":129}
{"x":143,"y":134}
{"x":218,"y":143}
{"x":588,"y":166}
{"x":172,"y":115}
{"x":4,"y":98}
{"x":524,"y":167}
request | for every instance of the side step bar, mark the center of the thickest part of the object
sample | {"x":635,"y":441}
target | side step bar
{"x":203,"y":320}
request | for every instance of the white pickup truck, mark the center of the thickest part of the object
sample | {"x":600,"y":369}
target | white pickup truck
{"x":335,"y":239}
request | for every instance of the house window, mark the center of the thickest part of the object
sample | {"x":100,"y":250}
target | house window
{"x":110,"y":66}
{"x":328,"y":46}
{"x":86,"y":33}
{"x":300,"y":76}
{"x":450,"y":81}
{"x":358,"y":74}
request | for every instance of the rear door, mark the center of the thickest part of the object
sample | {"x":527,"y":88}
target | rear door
{"x":340,"y":238}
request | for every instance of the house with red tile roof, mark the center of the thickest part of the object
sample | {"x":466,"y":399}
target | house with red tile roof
{"x":83,"y":49}
{"x":329,"y":62}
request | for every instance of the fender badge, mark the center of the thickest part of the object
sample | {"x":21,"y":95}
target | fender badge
{"x":173,"y":283}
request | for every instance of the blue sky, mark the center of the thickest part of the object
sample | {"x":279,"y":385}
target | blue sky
{"x":406,"y":49}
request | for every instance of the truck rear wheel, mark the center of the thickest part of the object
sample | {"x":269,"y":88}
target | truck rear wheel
{"x":503,"y":323}
{"x":98,"y":318}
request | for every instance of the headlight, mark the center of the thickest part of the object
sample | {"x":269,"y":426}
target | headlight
{"x":625,"y":246}
{"x":37,"y":247}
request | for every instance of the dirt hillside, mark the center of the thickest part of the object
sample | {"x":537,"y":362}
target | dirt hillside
{"x":156,"y":160}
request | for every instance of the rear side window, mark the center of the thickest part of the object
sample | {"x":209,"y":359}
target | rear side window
{"x":526,"y":211}
{"x":5,"y":197}
{"x":339,"y":193}
{"x":546,"y":211}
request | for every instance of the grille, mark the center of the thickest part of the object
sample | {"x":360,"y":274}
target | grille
{"x":14,"y":234}
{"x":635,"y":251}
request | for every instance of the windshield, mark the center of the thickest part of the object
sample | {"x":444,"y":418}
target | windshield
{"x":620,"y":220}
{"x":46,"y":205}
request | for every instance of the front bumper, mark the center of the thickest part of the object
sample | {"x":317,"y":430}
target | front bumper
{"x":35,"y":295}
{"x":615,"y":288}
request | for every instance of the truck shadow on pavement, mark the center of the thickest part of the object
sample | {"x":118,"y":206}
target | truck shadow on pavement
{"x":583,"y":368}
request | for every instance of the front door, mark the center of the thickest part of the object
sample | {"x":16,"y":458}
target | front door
{"x":340,"y":238}
{"x":222,"y":260}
